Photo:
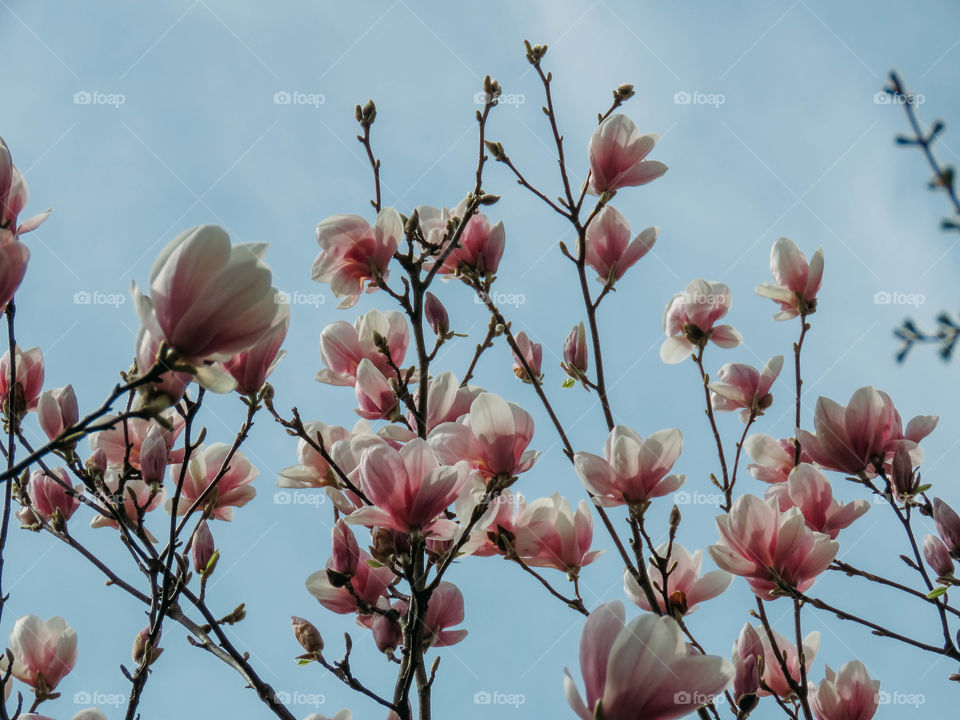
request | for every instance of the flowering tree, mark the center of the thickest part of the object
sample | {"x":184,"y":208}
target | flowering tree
{"x":428,"y":477}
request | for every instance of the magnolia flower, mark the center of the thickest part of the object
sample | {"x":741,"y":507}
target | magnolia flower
{"x":149,"y":343}
{"x":767,"y":546}
{"x":49,"y":495}
{"x":773,"y":459}
{"x":203,"y":552}
{"x":252,"y":367}
{"x":937,"y":556}
{"x":313,"y":470}
{"x":232,"y":489}
{"x":211,"y":299}
{"x":549,"y":534}
{"x":28,"y":376}
{"x":88,"y":714}
{"x":748,"y":661}
{"x":772,"y":675}
{"x":446,"y":401}
{"x":113,"y":442}
{"x":808,"y":489}
{"x":609,"y":250}
{"x":57,"y":410}
{"x":633,"y":470}
{"x":387,"y":633}
{"x":532,"y":354}
{"x":343,"y":346}
{"x":352,"y":253}
{"x":137,"y":499}
{"x":617,"y":151}
{"x":575,"y":353}
{"x":849,"y":694}
{"x":742,"y":386}
{"x":368,"y":584}
{"x":685,"y":588}
{"x":492,"y":438}
{"x":948,"y":525}
{"x":409,"y":489}
{"x":481,"y":243}
{"x":690,"y":321}
{"x":13,"y":199}
{"x":340,"y":715}
{"x":854,"y":439}
{"x":375,"y":395}
{"x":444,"y":611}
{"x":797,"y":283}
{"x":14,"y":256}
{"x":153,"y":456}
{"x":44,"y":652}
{"x":641,"y":669}
{"x":436,"y":315}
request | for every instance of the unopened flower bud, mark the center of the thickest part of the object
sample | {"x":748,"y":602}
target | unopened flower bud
{"x":307,"y":635}
{"x":747,"y":661}
{"x":153,"y":456}
{"x":948,"y":525}
{"x":623,"y":92}
{"x":532,"y":354}
{"x":937,"y":556}
{"x":346,"y":551}
{"x":57,"y":410}
{"x":203,"y":552}
{"x":96,"y":464}
{"x":903,"y":476}
{"x":140,"y":643}
{"x":436,"y":314}
{"x":575,"y":352}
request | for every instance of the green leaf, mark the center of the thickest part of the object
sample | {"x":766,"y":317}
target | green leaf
{"x":936,"y":592}
{"x":568,"y":383}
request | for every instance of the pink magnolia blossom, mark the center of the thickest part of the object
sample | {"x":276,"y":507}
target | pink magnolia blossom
{"x":212,"y":299}
{"x":532,"y":353}
{"x":481,"y":243}
{"x":368,"y":583}
{"x":617,"y":156}
{"x":809,"y":489}
{"x":948,"y":525}
{"x":13,"y":199}
{"x":772,"y":674}
{"x":797,"y":282}
{"x":502,"y":517}
{"x":346,"y":550}
{"x":138,"y":497}
{"x":690,"y":321}
{"x":387,"y":633}
{"x":88,"y":714}
{"x":343,"y":346}
{"x":549,"y":534}
{"x":252,"y":367}
{"x":232,"y":490}
{"x":436,"y":315}
{"x":633,"y":470}
{"x":112,"y":442}
{"x":575,"y":353}
{"x":48,"y":495}
{"x":153,"y":455}
{"x":375,"y":395}
{"x":849,"y":694}
{"x":744,"y":387}
{"x":149,"y":343}
{"x":353,"y":253}
{"x":773,"y":459}
{"x":57,"y":410}
{"x":492,"y":438}
{"x":761,"y":543}
{"x":609,"y":249}
{"x":685,"y":587}
{"x":446,"y":401}
{"x":748,"y":661}
{"x":937,"y":555}
{"x":409,"y":489}
{"x":44,"y":652}
{"x":14,"y":256}
{"x":28,"y":376}
{"x":203,"y":551}
{"x":313,"y":470}
{"x":444,"y":611}
{"x":854,"y":439}
{"x":641,"y":669}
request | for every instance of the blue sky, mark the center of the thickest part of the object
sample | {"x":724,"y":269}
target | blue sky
{"x":798,"y":147}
